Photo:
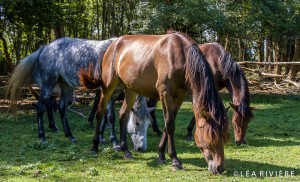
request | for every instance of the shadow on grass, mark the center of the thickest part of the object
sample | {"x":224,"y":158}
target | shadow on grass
{"x":237,"y":168}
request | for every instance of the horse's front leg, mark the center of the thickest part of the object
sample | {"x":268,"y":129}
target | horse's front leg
{"x":94,"y":108}
{"x":170,"y":108}
{"x":190,"y":128}
{"x":123,"y":119}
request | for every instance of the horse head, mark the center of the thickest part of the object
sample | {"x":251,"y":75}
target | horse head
{"x":240,"y":122}
{"x":138,"y":123}
{"x":210,"y":137}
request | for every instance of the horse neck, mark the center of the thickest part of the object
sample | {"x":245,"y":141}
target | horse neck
{"x":200,"y":77}
{"x":236,"y":80}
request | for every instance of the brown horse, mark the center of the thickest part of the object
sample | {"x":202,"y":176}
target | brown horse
{"x":164,"y":67}
{"x":227,"y":73}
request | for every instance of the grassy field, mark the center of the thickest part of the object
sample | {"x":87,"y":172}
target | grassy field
{"x":271,"y":154}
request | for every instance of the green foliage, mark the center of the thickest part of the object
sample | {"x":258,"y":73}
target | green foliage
{"x":272,"y":146}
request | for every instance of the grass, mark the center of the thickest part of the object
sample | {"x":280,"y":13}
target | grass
{"x":271,"y":154}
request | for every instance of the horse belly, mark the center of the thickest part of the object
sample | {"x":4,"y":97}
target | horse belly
{"x":140,"y":81}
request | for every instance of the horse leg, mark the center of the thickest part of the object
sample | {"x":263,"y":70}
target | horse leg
{"x":110,"y":114}
{"x":190,"y":128}
{"x":102,"y":128}
{"x":153,"y":103}
{"x":66,"y":91}
{"x":101,"y":109}
{"x":162,"y":148}
{"x":170,"y":108}
{"x":40,"y":107}
{"x":123,"y":119}
{"x":94,"y":108}
{"x":50,"y":108}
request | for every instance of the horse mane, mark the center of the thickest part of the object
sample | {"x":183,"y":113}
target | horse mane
{"x":141,"y":107}
{"x":231,"y":70}
{"x":205,"y":95}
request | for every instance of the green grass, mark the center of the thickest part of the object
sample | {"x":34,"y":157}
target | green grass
{"x":273,"y":149}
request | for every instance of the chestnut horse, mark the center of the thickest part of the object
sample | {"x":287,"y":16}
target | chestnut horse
{"x":164,"y":67}
{"x":227,"y":73}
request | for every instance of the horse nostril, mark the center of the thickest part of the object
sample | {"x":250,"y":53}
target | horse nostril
{"x":220,"y":169}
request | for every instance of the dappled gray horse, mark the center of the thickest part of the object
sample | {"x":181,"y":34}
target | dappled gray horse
{"x":138,"y":123}
{"x":56,"y":63}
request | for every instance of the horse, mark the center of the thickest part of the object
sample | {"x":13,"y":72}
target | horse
{"x":138,"y":123}
{"x":56,"y":63}
{"x":164,"y":67}
{"x":228,"y":74}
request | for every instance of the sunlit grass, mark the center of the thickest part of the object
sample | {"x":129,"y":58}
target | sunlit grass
{"x":272,"y":152}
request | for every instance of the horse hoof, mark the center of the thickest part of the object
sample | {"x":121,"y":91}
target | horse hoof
{"x":177,"y":167}
{"x":102,"y":141}
{"x":93,"y":151}
{"x":161,"y":161}
{"x":44,"y":141}
{"x":128,"y":157}
{"x":117,"y":148}
{"x":54,"y":130}
{"x":72,"y":139}
{"x":189,"y":138}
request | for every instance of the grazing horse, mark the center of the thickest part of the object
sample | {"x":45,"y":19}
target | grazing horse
{"x":227,"y":73}
{"x":164,"y":67}
{"x":56,"y":63}
{"x":138,"y":123}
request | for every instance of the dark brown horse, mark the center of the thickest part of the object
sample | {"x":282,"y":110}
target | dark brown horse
{"x":227,"y":73}
{"x":164,"y":67}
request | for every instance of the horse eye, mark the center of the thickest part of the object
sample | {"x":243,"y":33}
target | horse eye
{"x":138,"y":124}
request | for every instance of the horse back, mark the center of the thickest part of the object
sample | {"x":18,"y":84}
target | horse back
{"x":145,"y":61}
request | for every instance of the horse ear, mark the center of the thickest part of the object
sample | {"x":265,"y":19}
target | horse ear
{"x":235,"y":107}
{"x":150,"y":109}
{"x":205,"y":115}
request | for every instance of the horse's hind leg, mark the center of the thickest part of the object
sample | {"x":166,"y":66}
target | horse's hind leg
{"x":66,"y":91}
{"x":153,"y":103}
{"x":51,"y":106}
{"x":40,"y":107}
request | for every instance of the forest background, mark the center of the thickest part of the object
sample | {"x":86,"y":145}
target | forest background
{"x":251,"y":30}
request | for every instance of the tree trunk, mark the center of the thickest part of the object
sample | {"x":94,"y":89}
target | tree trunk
{"x":240,"y":53}
{"x":227,"y":42}
{"x":59,"y":30}
{"x":5,"y":50}
{"x":295,"y":69}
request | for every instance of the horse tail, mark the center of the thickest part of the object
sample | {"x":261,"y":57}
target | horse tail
{"x":22,"y":76}
{"x":87,"y":78}
{"x":200,"y":77}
